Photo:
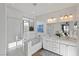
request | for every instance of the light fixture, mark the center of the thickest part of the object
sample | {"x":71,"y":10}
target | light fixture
{"x":50,"y":20}
{"x":54,"y":19}
{"x":66,"y":17}
{"x":70,"y":16}
{"x":61,"y":17}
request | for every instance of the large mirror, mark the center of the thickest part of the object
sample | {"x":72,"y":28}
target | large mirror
{"x":65,"y":28}
{"x":75,"y":25}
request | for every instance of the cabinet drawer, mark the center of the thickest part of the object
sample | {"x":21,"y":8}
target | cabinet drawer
{"x":54,"y":44}
{"x":56,"y":50}
{"x":51,"y":46}
{"x":63,"y":49}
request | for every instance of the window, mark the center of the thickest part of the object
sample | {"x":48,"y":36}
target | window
{"x":12,"y":45}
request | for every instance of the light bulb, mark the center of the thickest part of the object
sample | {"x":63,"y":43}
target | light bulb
{"x":50,"y":20}
{"x":54,"y":19}
{"x":66,"y":17}
{"x":70,"y":16}
{"x":61,"y":18}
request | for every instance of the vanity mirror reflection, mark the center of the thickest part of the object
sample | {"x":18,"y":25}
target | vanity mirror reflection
{"x":53,"y":28}
{"x":65,"y":28}
{"x":75,"y":29}
{"x":50,"y":29}
{"x":75,"y":25}
{"x":69,"y":28}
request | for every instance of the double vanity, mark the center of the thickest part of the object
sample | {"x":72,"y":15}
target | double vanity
{"x":65,"y":46}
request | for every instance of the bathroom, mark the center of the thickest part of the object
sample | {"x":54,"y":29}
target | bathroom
{"x":39,"y":29}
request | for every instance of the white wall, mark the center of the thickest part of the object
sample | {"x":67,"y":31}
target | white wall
{"x":3,"y":39}
{"x":14,"y":21}
{"x":14,"y":28}
{"x":67,"y":11}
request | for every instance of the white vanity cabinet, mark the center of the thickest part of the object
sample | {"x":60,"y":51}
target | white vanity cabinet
{"x":72,"y":51}
{"x":63,"y":49}
{"x":47,"y":45}
{"x":51,"y":46}
{"x":60,"y":48}
{"x":68,"y":50}
{"x":55,"y":47}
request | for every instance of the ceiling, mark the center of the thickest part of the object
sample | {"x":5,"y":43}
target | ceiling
{"x":32,"y":10}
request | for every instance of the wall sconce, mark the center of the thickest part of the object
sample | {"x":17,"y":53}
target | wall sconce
{"x":70,"y":16}
{"x":61,"y":17}
{"x":54,"y":19}
{"x":66,"y":17}
{"x":50,"y":20}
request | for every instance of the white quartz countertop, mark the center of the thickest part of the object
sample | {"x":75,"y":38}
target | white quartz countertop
{"x":64,"y":40}
{"x":69,"y":42}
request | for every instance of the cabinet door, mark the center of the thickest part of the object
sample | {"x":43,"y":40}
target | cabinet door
{"x":55,"y":44}
{"x":55,"y":50}
{"x":44,"y":44}
{"x":55,"y":47}
{"x":47,"y":45}
{"x":51,"y":46}
{"x":72,"y":51}
{"x":63,"y":49}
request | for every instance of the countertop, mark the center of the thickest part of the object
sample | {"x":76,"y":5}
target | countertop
{"x":64,"y":40}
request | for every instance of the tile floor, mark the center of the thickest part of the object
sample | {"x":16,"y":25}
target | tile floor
{"x":43,"y":52}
